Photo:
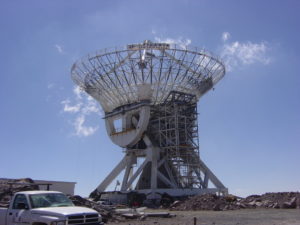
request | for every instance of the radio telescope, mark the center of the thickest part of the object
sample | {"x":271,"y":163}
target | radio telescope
{"x":152,"y":90}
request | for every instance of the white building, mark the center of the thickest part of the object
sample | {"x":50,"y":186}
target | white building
{"x":62,"y":186}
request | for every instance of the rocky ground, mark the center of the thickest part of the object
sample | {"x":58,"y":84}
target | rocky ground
{"x":279,"y":200}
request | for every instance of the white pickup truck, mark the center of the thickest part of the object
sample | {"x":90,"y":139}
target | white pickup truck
{"x":46,"y":208}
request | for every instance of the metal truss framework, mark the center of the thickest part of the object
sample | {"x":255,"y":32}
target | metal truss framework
{"x":153,"y":88}
{"x":175,"y":123}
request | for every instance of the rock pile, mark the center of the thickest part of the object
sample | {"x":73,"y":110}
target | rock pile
{"x":10,"y":186}
{"x":206,"y":202}
{"x":283,"y":200}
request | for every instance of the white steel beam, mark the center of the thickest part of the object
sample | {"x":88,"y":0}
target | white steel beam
{"x":112,"y":175}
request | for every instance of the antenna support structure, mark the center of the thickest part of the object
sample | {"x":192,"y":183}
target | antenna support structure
{"x":152,"y":90}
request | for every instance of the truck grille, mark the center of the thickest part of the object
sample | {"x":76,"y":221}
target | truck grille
{"x":84,"y":219}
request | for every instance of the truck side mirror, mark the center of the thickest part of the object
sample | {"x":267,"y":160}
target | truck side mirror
{"x":22,"y":205}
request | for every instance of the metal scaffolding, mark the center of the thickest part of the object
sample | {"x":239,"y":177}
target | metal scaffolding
{"x":174,"y":127}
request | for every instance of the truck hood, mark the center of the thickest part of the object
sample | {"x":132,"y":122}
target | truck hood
{"x":62,"y":211}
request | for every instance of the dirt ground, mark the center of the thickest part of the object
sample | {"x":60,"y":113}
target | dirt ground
{"x":235,"y":217}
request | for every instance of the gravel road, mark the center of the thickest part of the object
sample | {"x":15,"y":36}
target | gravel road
{"x":235,"y":217}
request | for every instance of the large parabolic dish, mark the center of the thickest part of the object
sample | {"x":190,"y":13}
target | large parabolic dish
{"x":147,"y":71}
{"x":152,"y":89}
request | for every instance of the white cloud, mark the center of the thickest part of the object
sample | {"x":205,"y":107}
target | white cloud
{"x":81,"y":129}
{"x":59,"y":48}
{"x":90,"y":107}
{"x":181,"y":42}
{"x":82,"y":107}
{"x":78,"y":92}
{"x":70,"y":108}
{"x":153,"y":31}
{"x":225,"y":36}
{"x":50,"y":86}
{"x":245,"y":53}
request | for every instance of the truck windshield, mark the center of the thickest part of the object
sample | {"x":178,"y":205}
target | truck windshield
{"x":49,"y":200}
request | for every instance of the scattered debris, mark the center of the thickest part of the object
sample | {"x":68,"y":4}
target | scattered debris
{"x":113,"y":213}
{"x":107,"y":212}
{"x":133,"y":213}
{"x":130,"y":210}
{"x":283,"y":200}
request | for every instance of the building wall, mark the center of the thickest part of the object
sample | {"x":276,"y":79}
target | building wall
{"x":62,"y":186}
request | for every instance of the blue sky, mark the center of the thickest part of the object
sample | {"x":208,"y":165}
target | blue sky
{"x":249,"y":125}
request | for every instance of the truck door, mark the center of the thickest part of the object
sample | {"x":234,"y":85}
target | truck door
{"x":19,"y":213}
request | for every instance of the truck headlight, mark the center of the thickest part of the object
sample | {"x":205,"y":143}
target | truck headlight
{"x":58,"y":223}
